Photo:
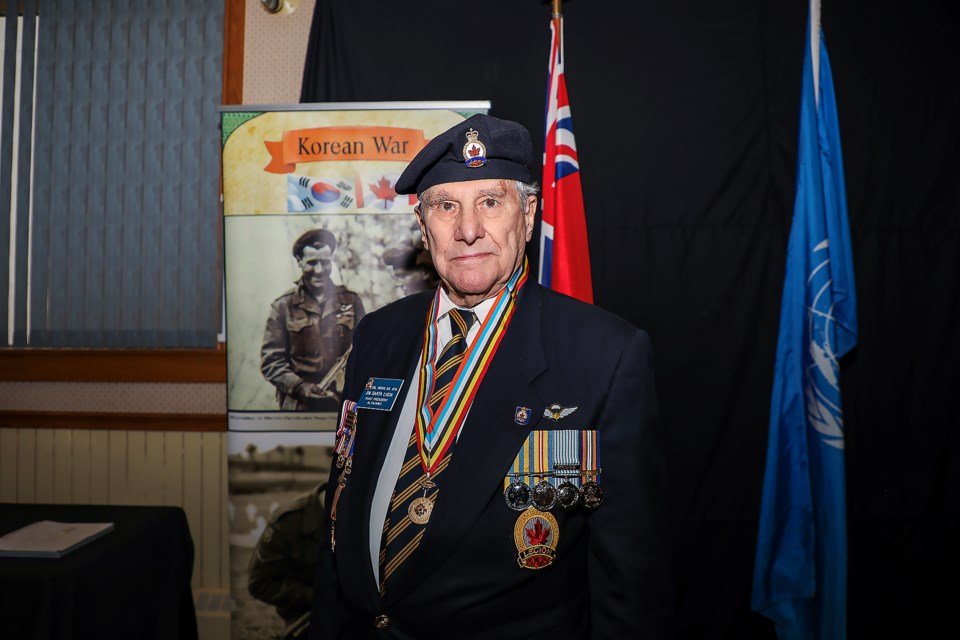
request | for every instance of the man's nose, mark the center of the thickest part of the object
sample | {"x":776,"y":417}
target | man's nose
{"x":469,"y":226}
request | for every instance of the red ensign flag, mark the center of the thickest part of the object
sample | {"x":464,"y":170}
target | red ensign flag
{"x":564,"y":253}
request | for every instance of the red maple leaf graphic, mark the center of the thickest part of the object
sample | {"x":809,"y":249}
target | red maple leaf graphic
{"x":474,"y":151}
{"x":383,"y":190}
{"x":539,"y":534}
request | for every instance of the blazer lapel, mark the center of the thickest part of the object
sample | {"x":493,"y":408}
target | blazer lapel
{"x":374,"y":433}
{"x":488,"y":442}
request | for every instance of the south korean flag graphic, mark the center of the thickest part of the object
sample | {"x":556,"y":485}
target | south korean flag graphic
{"x":324,"y":195}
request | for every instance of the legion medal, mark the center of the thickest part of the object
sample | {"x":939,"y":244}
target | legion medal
{"x":568,"y":496}
{"x":474,"y":152}
{"x":518,"y":495}
{"x":536,"y":535}
{"x":544,"y":495}
{"x":591,"y":494}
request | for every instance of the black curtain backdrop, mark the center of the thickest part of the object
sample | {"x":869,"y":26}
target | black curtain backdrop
{"x":685,"y":114}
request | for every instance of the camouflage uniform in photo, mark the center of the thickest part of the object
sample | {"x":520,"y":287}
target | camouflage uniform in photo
{"x":282,"y":565}
{"x":305,"y":340}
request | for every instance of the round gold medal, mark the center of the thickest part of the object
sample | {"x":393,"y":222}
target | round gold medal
{"x":420,"y":510}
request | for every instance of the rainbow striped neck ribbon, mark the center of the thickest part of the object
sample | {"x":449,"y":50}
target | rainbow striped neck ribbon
{"x":437,"y":432}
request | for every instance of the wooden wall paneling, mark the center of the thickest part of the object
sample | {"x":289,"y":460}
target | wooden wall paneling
{"x":213,"y":507}
{"x":234,"y":20}
{"x":136,"y":467}
{"x":117,"y":467}
{"x":113,"y":365}
{"x":8,"y":465}
{"x":173,"y":454}
{"x":223,"y":538}
{"x":155,"y":460}
{"x":192,"y":503}
{"x":62,"y":465}
{"x":114,"y":421}
{"x":43,"y":465}
{"x":99,"y":467}
{"x":26,"y":453}
{"x":80,"y":470}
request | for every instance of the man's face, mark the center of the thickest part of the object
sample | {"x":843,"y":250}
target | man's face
{"x":475,"y":232}
{"x":316,"y":265}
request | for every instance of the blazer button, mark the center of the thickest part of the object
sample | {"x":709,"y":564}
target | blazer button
{"x":381,"y":622}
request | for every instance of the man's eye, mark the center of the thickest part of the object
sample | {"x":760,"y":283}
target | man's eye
{"x":490,"y":203}
{"x":448,"y":206}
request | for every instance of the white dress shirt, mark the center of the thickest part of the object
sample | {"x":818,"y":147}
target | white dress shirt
{"x":405,"y":424}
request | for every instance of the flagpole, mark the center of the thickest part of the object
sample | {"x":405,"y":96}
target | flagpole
{"x":556,"y":8}
{"x":815,"y":48}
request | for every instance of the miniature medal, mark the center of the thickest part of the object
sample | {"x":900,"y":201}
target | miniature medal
{"x":568,"y":496}
{"x":346,"y":435}
{"x":591,"y":494}
{"x":518,"y":495}
{"x":346,"y":432}
{"x":544,"y":495}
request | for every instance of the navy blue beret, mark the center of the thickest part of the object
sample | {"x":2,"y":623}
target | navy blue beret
{"x":479,"y":148}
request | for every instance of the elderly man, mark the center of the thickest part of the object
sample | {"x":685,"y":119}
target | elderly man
{"x":498,"y":471}
{"x":309,"y":330}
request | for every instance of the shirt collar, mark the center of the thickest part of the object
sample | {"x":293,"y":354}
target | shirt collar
{"x":482,"y":310}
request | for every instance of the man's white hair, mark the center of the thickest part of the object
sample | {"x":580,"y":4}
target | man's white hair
{"x":524,"y":191}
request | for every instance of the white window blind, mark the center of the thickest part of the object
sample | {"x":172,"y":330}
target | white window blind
{"x":113,"y":184}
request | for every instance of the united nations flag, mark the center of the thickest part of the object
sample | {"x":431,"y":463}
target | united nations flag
{"x":800,"y":573}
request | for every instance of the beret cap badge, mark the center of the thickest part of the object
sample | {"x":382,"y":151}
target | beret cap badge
{"x":495,"y":149}
{"x":474,"y":152}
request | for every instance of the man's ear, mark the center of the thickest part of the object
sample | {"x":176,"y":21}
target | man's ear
{"x":531,"y":215}
{"x":422,"y":225}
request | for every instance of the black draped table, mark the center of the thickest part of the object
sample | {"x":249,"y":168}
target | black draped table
{"x":132,"y":583}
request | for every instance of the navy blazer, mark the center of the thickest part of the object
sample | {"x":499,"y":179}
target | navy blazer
{"x":610,"y":577}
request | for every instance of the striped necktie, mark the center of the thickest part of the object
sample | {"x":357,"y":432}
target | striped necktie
{"x":452,"y":355}
{"x":401,"y":536}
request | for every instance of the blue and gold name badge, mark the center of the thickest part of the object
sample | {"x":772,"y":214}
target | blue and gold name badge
{"x":379,"y":394}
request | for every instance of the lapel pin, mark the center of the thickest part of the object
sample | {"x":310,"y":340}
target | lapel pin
{"x":555,"y":412}
{"x":522,"y":415}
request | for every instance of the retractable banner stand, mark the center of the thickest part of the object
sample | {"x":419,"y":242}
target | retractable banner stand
{"x":314,"y":238}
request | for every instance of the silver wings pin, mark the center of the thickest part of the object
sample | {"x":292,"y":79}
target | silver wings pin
{"x":555,"y":412}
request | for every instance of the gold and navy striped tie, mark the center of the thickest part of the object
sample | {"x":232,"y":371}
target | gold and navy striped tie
{"x":450,"y":358}
{"x":401,"y":536}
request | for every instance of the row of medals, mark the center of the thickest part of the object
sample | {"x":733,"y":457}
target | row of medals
{"x":566,"y":496}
